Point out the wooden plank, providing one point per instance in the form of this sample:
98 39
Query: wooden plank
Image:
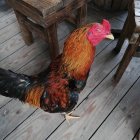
23 55
17 42
93 11
40 63
64 13
117 19
95 15
124 121
3 100
7 20
137 135
7 121
122 16
97 107
10 46
17 5
116 24
104 62
44 7
9 31
39 117
92 15
4 12
63 30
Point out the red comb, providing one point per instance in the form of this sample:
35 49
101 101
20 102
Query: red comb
106 24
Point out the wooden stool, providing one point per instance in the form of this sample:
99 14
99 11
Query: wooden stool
42 16
131 30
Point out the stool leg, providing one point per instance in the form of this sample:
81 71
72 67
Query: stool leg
81 15
122 37
51 33
26 34
126 59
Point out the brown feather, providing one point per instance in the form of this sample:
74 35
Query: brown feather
33 95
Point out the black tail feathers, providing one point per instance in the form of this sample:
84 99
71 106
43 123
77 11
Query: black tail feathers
13 84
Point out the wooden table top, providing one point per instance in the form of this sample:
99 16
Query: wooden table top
44 6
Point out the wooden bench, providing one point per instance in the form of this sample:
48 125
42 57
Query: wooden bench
42 16
131 30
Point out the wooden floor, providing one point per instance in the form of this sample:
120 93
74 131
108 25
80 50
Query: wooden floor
108 111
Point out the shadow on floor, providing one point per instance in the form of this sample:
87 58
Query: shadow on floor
4 6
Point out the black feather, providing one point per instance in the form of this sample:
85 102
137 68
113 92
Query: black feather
13 84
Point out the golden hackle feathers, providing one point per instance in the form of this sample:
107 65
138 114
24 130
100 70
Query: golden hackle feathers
33 95
77 51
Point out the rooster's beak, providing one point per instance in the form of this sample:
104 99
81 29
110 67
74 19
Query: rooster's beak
110 36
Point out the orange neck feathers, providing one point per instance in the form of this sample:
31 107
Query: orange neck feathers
78 54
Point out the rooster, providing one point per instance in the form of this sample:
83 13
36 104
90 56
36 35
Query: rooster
57 88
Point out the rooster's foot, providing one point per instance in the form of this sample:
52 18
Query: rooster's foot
68 117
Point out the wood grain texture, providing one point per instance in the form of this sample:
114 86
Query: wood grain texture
45 6
40 63
35 14
7 20
22 56
9 31
111 5
14 41
129 53
10 46
3 100
7 121
117 18
133 41
26 33
137 135
45 15
4 12
124 121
